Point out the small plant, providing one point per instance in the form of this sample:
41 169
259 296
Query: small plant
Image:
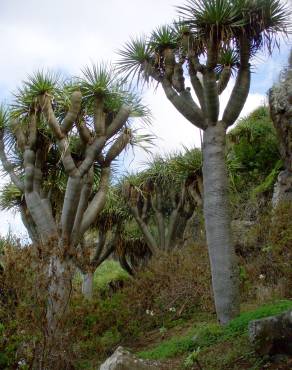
162 331
192 359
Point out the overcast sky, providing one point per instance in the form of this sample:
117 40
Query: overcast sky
66 35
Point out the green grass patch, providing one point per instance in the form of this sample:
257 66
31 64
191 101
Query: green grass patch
169 348
240 324
207 334
109 271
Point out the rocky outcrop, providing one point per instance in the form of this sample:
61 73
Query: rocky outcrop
283 188
272 335
280 99
122 359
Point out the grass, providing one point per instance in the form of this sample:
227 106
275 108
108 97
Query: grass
170 348
208 334
108 271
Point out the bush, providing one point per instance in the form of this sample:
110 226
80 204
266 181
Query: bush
268 268
171 289
253 161
174 286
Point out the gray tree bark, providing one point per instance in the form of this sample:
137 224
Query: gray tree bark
216 211
60 286
87 285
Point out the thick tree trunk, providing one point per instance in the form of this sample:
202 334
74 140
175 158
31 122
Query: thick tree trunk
216 211
60 284
87 285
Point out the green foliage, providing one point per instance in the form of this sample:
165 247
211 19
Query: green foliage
108 271
269 181
162 38
261 21
110 338
99 81
103 82
253 151
10 197
208 334
3 116
170 348
192 358
133 55
131 231
253 143
239 325
236 17
228 57
37 84
172 168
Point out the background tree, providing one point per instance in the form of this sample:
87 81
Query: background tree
102 240
163 198
280 99
215 40
91 114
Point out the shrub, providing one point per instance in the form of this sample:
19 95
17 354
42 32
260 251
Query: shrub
268 266
171 289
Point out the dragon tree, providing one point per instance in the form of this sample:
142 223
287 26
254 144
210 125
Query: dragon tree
103 240
212 44
163 198
58 141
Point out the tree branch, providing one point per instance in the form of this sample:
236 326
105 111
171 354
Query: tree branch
91 154
29 164
99 118
119 121
84 132
72 113
223 79
191 112
211 96
97 203
70 204
173 219
152 245
8 167
44 221
83 203
118 146
99 248
156 200
241 88
197 86
62 140
29 224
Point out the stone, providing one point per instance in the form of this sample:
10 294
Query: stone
243 240
283 188
272 335
122 359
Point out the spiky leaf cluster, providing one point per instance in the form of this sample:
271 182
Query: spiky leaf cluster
202 25
168 172
96 82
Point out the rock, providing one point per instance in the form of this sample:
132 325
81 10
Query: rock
122 359
272 335
242 238
282 188
194 231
